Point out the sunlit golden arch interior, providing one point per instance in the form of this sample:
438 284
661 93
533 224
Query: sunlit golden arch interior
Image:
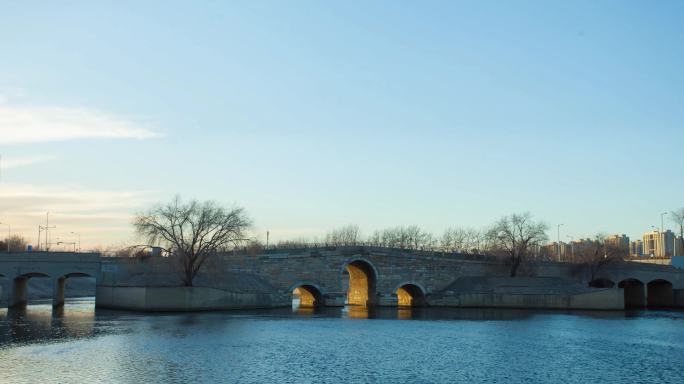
410 295
362 278
308 296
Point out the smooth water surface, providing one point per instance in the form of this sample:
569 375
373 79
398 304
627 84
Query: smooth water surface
80 344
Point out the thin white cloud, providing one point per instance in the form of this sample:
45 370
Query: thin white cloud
7 162
23 125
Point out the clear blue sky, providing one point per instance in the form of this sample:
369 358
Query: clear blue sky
319 114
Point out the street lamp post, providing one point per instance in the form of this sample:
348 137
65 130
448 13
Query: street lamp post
662 234
79 240
558 244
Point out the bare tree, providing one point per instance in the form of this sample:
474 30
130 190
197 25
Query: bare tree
192 231
475 241
17 243
596 254
347 235
678 218
375 239
411 237
452 240
254 247
515 237
463 240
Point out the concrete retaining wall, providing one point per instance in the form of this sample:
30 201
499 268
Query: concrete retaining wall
151 299
604 299
678 297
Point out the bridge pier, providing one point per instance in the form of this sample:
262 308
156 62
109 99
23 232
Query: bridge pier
58 292
14 292
17 294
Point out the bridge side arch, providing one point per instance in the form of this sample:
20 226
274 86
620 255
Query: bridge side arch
308 294
410 282
60 286
18 292
634 292
410 294
659 293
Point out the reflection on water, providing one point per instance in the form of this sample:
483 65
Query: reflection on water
41 322
339 345
359 312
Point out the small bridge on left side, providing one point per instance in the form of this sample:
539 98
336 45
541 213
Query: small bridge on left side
17 269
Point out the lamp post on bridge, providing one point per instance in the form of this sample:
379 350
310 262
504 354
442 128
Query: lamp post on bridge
79 239
662 234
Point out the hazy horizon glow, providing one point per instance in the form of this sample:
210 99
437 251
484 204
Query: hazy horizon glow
436 114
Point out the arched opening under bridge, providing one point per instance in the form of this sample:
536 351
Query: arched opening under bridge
660 294
410 295
19 292
306 296
81 285
635 295
361 283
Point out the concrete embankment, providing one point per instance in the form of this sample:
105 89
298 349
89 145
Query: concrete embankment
184 299
526 292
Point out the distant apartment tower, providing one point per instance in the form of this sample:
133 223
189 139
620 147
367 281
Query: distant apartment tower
679 246
636 248
659 244
620 242
551 251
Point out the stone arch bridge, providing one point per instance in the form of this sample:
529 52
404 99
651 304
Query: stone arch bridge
336 276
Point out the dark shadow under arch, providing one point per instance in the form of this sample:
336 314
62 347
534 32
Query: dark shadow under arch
75 274
635 296
659 294
602 282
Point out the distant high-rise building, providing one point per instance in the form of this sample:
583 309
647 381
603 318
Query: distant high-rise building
659 244
636 248
679 247
618 241
551 250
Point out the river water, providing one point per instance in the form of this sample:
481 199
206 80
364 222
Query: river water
80 344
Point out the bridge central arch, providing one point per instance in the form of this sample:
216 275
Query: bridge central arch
362 281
